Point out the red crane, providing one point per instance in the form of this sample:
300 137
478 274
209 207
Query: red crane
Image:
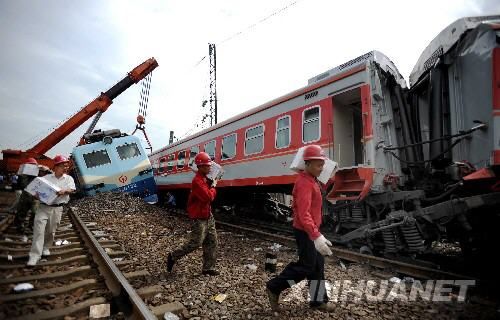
13 158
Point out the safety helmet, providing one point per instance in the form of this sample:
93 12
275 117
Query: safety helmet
60 159
31 161
43 168
202 159
314 152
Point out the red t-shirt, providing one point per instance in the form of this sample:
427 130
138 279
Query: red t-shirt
307 203
200 198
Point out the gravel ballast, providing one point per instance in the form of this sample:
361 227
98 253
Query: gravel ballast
148 233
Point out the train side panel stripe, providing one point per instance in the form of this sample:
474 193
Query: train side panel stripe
496 106
277 180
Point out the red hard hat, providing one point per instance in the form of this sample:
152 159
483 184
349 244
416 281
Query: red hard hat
60 159
31 161
202 159
314 152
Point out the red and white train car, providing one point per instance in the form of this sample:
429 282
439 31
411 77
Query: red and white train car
415 164
335 110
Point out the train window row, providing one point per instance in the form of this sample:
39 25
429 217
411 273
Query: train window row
283 132
229 147
254 140
100 157
311 125
127 151
96 158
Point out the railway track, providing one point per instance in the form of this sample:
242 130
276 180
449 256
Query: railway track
86 271
284 235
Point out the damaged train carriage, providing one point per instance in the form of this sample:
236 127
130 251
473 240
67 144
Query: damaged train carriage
436 151
415 164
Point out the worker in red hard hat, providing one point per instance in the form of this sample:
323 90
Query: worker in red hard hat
312 245
203 231
20 180
48 216
31 161
25 203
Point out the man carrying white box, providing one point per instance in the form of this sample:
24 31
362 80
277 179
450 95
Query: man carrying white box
48 214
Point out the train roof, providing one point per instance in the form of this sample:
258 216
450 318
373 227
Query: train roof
444 41
376 56
341 71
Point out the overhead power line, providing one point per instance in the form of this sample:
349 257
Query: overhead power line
275 13
212 100
253 25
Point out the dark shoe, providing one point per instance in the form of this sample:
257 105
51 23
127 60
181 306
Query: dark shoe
325 307
273 300
170 262
210 272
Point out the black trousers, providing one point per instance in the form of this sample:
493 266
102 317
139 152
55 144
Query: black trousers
310 266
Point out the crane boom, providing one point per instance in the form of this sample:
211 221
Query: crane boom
13 158
99 104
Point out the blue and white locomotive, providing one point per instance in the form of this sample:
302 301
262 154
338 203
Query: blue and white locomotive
112 161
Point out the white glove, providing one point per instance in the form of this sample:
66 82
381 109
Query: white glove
214 183
321 244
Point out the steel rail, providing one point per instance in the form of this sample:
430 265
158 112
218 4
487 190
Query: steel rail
6 221
126 298
417 271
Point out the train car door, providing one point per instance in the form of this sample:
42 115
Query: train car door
348 128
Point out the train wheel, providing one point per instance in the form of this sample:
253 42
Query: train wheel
366 250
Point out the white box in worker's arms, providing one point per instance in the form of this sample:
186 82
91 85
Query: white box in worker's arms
216 171
47 191
298 163
329 168
28 169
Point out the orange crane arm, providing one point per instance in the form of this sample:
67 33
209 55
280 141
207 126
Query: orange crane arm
99 104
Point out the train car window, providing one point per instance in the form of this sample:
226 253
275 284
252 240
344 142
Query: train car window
128 150
210 149
170 163
181 159
283 132
194 151
310 124
254 140
228 147
161 167
96 158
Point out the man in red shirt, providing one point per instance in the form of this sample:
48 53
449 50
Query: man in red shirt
203 231
311 244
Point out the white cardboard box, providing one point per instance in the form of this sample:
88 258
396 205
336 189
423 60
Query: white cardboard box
216 171
298 162
329 168
328 171
47 192
28 169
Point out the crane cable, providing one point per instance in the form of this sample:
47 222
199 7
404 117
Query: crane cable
143 106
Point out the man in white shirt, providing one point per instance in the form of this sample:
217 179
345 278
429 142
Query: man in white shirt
47 217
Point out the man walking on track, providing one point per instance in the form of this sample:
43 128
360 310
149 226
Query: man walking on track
26 201
203 223
47 217
311 244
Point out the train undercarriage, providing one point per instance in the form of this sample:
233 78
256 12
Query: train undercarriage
397 223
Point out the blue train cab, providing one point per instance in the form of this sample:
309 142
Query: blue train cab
112 161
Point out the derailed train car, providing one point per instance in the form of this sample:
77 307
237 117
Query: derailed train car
113 161
416 164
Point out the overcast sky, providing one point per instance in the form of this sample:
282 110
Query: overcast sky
56 56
